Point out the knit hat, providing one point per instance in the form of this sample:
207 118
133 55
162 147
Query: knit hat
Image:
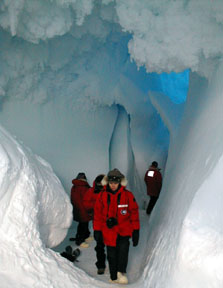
81 175
98 179
155 164
115 176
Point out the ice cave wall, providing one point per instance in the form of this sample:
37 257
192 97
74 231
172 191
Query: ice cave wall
186 228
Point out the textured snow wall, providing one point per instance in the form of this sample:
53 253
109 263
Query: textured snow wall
35 214
30 194
185 237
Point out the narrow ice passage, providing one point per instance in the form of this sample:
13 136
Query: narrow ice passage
120 156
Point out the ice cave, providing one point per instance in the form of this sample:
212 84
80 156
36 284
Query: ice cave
90 85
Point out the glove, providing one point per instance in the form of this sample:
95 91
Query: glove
135 238
98 236
90 212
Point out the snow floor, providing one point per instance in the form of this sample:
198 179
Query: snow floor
87 258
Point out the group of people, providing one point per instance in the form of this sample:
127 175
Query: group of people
115 215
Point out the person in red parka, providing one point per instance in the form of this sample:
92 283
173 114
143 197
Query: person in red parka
116 220
89 203
153 180
78 190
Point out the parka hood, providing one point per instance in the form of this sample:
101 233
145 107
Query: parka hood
123 182
78 182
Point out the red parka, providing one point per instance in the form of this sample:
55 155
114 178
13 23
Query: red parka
89 200
122 206
153 179
78 191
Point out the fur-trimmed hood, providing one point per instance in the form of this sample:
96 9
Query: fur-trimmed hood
80 182
123 182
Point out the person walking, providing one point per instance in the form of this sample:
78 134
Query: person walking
153 180
89 203
78 190
116 220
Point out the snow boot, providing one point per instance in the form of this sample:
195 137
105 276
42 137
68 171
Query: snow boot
84 245
101 271
114 281
72 239
89 239
122 279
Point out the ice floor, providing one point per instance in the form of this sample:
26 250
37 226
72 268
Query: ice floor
87 258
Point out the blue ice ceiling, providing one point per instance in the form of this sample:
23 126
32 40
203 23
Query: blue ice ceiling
174 85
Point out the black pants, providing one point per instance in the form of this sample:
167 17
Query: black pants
100 254
82 232
151 204
118 256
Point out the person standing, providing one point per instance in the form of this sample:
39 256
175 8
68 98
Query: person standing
116 220
89 203
153 180
78 190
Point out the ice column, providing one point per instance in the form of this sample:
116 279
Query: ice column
121 155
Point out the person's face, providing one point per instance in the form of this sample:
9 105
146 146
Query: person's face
113 185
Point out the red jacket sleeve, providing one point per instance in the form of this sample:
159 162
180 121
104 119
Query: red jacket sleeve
88 200
134 210
75 196
159 180
98 207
